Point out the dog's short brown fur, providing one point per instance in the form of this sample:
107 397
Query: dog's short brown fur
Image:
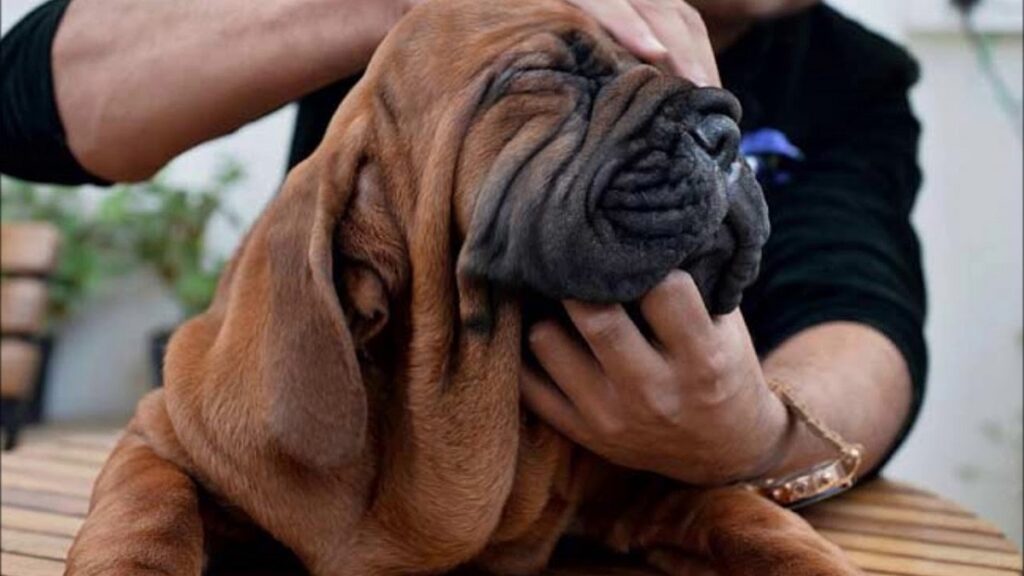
354 396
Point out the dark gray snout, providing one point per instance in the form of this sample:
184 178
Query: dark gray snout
603 211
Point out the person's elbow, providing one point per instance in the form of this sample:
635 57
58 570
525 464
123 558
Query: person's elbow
101 122
104 139
115 156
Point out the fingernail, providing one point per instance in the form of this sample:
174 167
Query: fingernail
702 80
678 275
652 45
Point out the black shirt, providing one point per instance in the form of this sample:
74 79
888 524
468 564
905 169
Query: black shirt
842 246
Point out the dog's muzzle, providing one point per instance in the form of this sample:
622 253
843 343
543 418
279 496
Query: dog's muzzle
648 190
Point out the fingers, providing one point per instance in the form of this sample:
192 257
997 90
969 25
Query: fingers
571 365
620 347
676 313
682 30
544 399
625 24
667 33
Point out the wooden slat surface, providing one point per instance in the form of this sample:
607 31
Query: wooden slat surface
28 247
19 362
887 528
22 306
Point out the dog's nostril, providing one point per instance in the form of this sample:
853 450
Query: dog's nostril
712 101
719 137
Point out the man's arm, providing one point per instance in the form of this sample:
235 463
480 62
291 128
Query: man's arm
851 377
138 83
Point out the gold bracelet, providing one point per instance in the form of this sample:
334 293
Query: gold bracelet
822 481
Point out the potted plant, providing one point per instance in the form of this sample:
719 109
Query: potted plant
165 225
156 225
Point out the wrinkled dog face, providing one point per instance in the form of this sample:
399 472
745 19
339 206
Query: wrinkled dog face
583 173
618 174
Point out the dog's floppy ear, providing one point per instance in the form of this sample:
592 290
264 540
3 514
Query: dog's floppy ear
316 405
313 394
272 365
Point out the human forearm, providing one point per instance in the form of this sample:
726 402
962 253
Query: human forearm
853 379
138 83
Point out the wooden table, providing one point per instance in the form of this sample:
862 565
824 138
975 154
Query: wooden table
888 528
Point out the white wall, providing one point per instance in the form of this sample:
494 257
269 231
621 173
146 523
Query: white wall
969 217
970 221
968 441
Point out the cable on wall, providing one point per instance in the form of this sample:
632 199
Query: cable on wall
1005 98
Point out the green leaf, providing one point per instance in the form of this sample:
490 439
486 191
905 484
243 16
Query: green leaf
155 224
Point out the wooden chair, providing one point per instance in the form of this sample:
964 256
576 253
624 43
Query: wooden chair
28 255
887 528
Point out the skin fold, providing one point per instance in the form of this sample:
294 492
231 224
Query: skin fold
353 391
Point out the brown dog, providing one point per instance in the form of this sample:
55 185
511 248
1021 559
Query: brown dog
352 392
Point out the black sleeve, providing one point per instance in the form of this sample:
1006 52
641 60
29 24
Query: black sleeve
842 245
34 147
315 112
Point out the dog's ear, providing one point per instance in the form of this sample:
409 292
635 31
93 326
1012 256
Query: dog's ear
273 364
317 305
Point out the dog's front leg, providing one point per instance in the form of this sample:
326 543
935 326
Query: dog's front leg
143 518
738 533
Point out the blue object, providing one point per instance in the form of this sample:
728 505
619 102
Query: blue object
767 151
769 142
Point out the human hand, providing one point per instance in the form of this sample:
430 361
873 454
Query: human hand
739 10
667 33
693 405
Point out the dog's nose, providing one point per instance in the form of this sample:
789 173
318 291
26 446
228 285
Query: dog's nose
716 130
719 136
715 101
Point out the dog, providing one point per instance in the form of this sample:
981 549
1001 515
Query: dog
352 391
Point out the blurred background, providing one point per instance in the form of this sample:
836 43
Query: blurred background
122 292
